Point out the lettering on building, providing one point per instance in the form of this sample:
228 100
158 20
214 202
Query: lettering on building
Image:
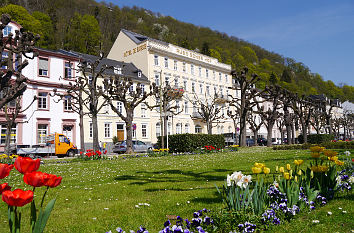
193 55
135 50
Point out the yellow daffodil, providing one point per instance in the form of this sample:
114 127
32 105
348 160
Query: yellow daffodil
266 170
317 149
315 155
287 175
298 162
299 172
295 178
288 167
291 173
319 168
260 165
333 158
256 170
276 168
281 169
330 153
340 163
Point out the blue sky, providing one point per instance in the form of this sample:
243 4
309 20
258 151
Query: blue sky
319 33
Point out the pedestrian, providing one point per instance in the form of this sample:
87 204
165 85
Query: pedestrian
100 145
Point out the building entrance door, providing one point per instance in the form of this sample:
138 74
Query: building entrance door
120 132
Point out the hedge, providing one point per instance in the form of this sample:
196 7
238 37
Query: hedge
191 142
327 145
316 138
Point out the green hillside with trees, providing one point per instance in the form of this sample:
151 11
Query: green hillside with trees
86 26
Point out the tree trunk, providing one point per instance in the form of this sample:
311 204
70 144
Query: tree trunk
269 134
129 129
242 136
95 142
8 139
288 134
282 136
209 127
81 124
304 131
255 135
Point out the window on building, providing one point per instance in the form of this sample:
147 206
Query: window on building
207 90
207 73
185 85
42 133
214 75
230 129
178 128
107 130
169 128
167 80
175 65
134 132
144 130
186 128
69 70
157 104
43 66
192 69
176 82
200 71
90 79
220 78
4 57
156 60
215 91
222 129
42 100
106 108
142 86
185 106
194 108
131 88
91 130
198 129
158 129
226 78
184 67
193 87
143 110
3 130
157 79
120 107
67 103
177 106
166 62
117 70
7 30
201 88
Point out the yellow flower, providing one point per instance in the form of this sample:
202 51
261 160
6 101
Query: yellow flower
316 149
330 153
295 178
319 168
266 170
288 167
260 165
299 172
276 168
256 170
315 155
298 162
340 163
287 175
281 169
291 173
334 158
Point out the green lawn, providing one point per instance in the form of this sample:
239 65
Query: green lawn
98 196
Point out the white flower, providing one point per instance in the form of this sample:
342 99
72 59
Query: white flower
351 179
315 221
246 180
344 211
347 153
235 177
329 213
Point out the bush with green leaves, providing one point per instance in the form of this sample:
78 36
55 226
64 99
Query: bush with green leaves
191 142
316 138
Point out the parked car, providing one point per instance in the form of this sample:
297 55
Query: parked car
262 141
250 142
138 146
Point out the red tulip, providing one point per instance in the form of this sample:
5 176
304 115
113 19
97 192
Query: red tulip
5 170
26 164
53 181
18 197
4 187
36 179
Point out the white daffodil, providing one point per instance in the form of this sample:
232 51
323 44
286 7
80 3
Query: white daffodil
246 180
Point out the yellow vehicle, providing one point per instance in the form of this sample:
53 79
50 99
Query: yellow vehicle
56 144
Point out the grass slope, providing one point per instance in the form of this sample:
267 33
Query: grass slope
98 196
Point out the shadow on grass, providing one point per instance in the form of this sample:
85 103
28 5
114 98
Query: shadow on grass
176 189
172 176
207 200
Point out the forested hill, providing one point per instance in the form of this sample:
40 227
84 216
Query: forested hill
82 25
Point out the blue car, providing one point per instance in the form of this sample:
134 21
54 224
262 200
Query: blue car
138 146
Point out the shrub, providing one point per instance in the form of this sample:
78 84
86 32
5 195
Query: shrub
316 138
191 142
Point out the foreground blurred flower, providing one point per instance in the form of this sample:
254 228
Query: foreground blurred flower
53 181
319 168
4 187
246 180
26 164
288 167
287 175
256 170
333 158
18 197
316 149
266 170
340 163
315 155
330 153
36 179
5 170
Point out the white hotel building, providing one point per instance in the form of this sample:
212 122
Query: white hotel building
164 63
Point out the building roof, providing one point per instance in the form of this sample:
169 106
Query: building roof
138 38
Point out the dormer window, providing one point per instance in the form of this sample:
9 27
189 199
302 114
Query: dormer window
117 70
7 30
139 74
